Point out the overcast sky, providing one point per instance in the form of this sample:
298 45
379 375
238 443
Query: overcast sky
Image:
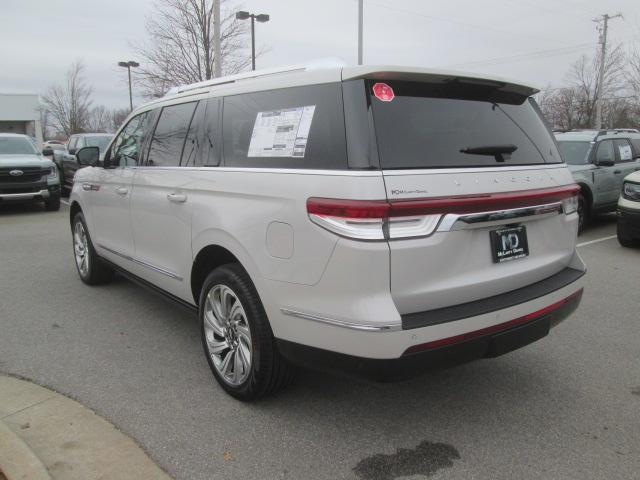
530 40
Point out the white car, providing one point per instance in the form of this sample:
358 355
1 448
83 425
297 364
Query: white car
378 221
629 211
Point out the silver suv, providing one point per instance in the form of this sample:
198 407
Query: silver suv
599 161
378 221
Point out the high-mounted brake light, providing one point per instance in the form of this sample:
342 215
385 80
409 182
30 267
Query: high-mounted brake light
383 92
382 219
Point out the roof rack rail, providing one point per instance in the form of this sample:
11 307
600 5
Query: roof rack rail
313 65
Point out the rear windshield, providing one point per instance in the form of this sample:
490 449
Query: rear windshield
16 146
459 125
574 153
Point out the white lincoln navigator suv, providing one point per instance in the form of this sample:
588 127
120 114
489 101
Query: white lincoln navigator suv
378 221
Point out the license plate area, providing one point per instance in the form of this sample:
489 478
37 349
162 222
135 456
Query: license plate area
509 243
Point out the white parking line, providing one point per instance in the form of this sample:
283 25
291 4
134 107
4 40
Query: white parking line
65 202
598 240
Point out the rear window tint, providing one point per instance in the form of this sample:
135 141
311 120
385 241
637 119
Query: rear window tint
431 125
299 127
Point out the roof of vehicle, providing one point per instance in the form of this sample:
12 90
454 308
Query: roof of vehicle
325 72
13 135
84 134
592 135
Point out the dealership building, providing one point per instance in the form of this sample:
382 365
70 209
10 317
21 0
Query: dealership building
19 113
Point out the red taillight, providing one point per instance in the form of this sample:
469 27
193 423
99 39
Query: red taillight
495 328
365 219
348 208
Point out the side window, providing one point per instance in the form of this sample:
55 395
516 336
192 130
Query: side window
79 143
623 147
298 127
125 150
211 139
192 148
72 143
636 146
605 151
170 134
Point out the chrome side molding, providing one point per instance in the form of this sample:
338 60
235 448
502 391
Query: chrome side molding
144 264
391 327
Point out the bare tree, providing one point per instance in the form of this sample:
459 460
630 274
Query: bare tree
574 106
69 103
180 45
99 119
117 118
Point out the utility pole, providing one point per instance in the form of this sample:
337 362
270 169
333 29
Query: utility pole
603 52
217 62
360 22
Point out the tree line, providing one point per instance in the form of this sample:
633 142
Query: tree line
574 105
178 50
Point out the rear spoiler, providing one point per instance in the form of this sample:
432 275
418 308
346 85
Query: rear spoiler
434 76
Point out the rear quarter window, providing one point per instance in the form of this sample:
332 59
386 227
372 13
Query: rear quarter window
429 125
275 124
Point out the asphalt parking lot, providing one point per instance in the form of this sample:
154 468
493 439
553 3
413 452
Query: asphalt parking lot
566 407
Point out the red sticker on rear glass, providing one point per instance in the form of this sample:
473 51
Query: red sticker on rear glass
383 92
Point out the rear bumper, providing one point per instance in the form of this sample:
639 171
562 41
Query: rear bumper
486 342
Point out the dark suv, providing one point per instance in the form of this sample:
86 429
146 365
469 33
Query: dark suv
26 175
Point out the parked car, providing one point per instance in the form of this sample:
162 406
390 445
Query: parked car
629 211
25 175
377 221
49 147
598 162
67 161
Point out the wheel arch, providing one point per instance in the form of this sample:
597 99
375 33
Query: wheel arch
588 195
74 209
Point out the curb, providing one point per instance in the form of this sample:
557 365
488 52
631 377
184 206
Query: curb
17 461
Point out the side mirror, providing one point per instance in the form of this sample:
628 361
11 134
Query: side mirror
605 162
88 156
47 151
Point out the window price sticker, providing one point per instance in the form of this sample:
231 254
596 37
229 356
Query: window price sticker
281 133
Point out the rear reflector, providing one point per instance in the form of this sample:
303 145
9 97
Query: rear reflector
368 219
495 328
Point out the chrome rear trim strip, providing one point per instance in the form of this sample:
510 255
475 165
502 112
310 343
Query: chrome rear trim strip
392 327
454 221
144 264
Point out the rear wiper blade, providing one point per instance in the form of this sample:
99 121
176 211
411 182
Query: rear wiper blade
497 151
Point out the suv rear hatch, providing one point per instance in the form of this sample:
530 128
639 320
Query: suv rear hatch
480 201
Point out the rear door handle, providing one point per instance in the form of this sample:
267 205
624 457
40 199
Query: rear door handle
618 172
122 190
177 197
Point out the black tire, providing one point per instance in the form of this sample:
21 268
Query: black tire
64 191
624 238
97 272
583 213
268 371
53 203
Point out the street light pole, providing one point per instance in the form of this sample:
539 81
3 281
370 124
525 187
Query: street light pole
128 66
262 18
360 28
253 42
